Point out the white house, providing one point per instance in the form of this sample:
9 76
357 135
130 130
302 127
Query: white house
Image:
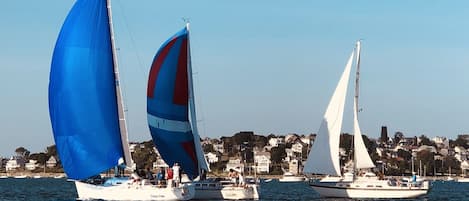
262 159
308 139
234 163
297 147
211 157
160 163
52 162
289 156
219 147
427 148
31 165
13 164
441 141
294 166
275 141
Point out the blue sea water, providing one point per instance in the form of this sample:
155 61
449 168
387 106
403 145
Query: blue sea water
46 189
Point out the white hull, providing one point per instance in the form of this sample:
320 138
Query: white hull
291 179
463 180
213 190
368 190
129 191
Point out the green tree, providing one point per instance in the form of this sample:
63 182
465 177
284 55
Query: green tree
460 141
277 154
370 145
404 154
427 159
144 155
22 152
425 141
346 142
398 136
208 148
41 157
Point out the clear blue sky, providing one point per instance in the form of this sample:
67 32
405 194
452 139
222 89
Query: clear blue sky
266 66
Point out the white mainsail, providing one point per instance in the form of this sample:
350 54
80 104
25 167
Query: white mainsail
362 158
324 155
202 161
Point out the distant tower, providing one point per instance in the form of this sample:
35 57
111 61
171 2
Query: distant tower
384 134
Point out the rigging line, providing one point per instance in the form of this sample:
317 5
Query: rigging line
132 42
200 101
196 82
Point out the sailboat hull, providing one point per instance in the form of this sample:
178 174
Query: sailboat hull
378 189
221 192
133 191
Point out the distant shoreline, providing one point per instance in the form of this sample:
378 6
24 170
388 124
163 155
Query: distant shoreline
30 174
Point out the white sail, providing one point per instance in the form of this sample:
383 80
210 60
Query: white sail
324 155
362 158
202 161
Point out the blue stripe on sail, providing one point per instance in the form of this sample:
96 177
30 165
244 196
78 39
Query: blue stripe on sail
170 147
82 93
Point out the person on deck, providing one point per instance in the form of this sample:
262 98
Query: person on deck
169 177
150 176
176 174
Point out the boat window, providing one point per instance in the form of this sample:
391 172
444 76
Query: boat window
197 184
348 185
369 186
212 185
379 186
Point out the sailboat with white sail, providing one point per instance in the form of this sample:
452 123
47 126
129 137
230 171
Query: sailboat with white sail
86 108
172 119
324 155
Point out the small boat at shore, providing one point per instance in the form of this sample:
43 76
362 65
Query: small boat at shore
290 177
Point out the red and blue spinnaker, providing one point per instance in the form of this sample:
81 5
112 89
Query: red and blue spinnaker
168 104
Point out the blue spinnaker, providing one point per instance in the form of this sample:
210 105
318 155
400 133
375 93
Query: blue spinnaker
167 104
82 93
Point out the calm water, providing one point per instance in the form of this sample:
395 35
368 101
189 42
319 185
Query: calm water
60 189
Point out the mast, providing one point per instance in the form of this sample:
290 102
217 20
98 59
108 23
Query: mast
202 162
355 102
120 103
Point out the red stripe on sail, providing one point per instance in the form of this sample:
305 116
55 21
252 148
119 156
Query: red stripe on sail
190 150
156 66
181 86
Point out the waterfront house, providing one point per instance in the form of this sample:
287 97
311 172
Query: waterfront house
14 164
212 157
234 163
262 159
275 141
52 162
297 147
31 165
219 147
160 163
289 155
294 167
